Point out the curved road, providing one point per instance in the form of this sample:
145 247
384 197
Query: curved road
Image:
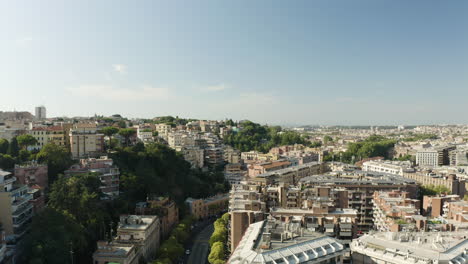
201 246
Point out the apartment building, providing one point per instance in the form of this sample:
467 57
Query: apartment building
247 157
289 175
32 173
410 248
194 155
40 112
211 206
255 169
457 211
214 157
163 130
360 187
394 211
140 231
109 252
15 206
385 166
104 167
434 157
433 206
85 141
452 182
272 241
165 208
231 155
234 173
246 206
51 134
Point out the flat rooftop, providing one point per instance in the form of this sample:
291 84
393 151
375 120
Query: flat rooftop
424 247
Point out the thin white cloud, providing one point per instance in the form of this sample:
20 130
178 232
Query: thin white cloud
110 93
25 41
120 68
215 88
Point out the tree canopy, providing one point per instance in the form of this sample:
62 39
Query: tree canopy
26 140
57 157
254 136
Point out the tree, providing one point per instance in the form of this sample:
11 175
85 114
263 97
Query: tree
127 133
26 140
110 132
4 146
327 139
79 196
13 148
7 161
57 157
52 233
217 253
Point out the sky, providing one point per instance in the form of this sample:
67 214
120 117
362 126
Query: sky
360 62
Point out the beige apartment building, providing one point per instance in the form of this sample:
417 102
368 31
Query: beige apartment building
203 208
52 134
109 252
142 231
16 209
85 141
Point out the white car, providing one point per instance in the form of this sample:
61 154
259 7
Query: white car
187 252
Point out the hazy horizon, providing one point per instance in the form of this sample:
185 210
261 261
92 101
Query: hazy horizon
273 62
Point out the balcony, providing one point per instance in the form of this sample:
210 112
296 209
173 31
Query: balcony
20 201
19 222
19 211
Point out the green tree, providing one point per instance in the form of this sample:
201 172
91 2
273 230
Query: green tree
217 253
110 132
57 157
7 162
122 124
13 148
26 140
4 146
127 133
327 139
51 236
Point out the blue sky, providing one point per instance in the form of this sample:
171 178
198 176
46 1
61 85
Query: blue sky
276 62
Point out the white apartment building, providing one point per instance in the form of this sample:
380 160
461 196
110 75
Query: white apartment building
392 167
428 157
268 242
411 248
163 130
175 140
144 136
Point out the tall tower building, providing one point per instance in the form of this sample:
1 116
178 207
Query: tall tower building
40 112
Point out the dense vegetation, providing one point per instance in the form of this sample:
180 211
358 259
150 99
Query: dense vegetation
173 248
254 136
373 146
434 190
76 217
218 240
157 169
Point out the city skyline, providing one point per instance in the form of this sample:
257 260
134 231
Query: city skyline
320 62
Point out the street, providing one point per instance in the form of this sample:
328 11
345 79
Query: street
201 246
